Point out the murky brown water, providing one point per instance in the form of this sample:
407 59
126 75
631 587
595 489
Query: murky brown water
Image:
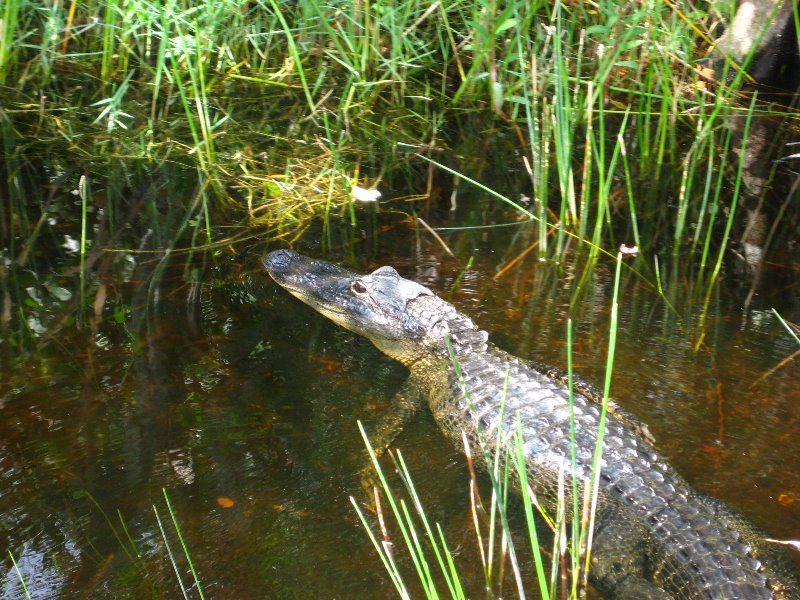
244 410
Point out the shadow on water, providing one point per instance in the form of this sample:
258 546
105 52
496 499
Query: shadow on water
242 403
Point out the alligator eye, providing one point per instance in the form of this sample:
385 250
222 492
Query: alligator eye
358 287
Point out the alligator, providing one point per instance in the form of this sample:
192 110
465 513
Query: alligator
654 536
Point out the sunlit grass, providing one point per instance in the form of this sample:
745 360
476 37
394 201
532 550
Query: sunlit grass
331 75
193 121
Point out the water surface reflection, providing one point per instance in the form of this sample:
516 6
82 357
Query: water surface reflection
244 409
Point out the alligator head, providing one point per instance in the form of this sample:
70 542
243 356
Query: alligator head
402 318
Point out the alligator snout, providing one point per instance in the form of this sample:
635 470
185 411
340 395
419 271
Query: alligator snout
279 260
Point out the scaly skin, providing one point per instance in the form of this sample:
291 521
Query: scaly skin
654 536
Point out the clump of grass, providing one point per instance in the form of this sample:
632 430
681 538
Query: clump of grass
206 86
262 115
411 538
143 571
430 554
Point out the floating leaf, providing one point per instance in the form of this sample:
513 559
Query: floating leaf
225 502
58 292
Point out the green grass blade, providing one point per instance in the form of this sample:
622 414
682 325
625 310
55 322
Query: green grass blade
598 450
183 544
786 325
295 53
384 554
399 517
19 574
170 553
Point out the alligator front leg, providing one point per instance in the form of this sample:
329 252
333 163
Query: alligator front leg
404 405
619 566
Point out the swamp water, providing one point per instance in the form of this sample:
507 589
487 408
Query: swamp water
243 406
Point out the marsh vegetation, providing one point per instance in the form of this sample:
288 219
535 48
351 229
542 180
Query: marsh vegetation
152 151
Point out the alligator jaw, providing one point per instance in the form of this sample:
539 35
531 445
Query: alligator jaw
321 285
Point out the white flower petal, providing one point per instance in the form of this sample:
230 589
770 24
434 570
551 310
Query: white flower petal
364 195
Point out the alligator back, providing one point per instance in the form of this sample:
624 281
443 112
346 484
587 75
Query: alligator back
650 525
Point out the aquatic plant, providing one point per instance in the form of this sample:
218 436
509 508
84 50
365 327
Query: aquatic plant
278 109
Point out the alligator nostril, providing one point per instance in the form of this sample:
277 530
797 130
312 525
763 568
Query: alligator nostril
279 260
